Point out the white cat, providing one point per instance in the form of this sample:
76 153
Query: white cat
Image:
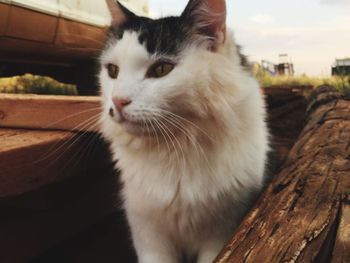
186 122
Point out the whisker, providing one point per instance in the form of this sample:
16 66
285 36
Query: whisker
180 146
70 116
174 147
187 121
161 131
85 124
75 141
155 134
196 145
177 123
91 139
187 133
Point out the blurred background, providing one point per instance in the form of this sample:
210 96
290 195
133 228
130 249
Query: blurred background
314 33
307 42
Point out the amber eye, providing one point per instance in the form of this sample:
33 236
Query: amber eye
113 71
160 69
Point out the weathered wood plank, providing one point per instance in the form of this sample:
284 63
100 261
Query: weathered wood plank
31 159
277 90
70 113
341 253
296 217
74 113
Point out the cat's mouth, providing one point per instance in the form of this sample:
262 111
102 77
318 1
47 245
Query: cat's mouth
133 126
145 128
150 125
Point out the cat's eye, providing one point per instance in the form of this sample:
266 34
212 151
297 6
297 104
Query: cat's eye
160 69
113 71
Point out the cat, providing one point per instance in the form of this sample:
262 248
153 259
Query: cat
186 123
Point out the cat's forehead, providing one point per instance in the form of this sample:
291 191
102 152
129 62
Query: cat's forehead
127 50
165 36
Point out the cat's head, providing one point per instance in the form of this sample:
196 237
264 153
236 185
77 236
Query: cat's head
158 74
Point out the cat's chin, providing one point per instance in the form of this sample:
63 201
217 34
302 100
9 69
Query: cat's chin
134 128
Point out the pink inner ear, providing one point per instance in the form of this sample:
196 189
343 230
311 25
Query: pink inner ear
217 6
219 26
118 16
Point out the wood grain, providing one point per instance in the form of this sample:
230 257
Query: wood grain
31 159
35 34
303 212
75 113
25 24
4 13
341 253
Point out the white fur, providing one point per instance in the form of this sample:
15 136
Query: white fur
186 195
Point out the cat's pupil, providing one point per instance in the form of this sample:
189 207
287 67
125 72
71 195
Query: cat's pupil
160 69
113 71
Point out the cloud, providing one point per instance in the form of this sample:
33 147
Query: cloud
262 19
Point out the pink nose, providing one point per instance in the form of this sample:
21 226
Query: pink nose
120 103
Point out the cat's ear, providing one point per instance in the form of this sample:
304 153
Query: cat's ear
209 17
120 14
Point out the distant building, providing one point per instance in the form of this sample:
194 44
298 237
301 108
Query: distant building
284 67
341 67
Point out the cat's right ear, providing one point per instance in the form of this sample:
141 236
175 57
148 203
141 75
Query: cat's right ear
120 14
208 17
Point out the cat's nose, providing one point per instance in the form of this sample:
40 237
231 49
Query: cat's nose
120 103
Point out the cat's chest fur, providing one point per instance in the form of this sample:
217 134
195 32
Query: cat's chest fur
188 192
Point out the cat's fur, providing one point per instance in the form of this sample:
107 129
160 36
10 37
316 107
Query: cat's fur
186 183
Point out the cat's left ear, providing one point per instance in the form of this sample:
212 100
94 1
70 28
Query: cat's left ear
120 14
209 17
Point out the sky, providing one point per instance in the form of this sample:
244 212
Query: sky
312 32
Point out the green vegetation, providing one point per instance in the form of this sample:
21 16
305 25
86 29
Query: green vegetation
342 83
36 85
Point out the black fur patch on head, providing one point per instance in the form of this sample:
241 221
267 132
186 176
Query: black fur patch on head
164 36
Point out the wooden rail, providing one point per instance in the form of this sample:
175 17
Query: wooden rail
75 113
69 113
31 159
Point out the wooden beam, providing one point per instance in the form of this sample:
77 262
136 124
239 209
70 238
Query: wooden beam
70 113
74 113
297 218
